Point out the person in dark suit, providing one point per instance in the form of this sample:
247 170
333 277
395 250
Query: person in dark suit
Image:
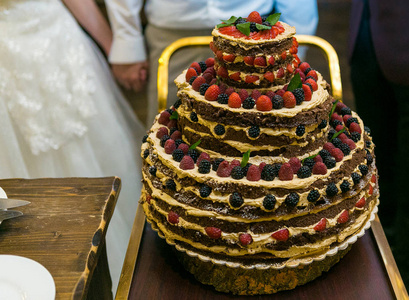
379 59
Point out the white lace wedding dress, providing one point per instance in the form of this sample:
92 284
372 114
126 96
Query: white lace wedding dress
61 114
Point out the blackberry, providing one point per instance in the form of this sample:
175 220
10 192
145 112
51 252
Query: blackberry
292 199
324 153
350 121
146 153
145 138
369 159
248 103
223 99
336 142
170 111
219 129
203 66
246 168
300 130
254 131
194 154
152 170
345 186
363 169
171 185
192 79
330 162
263 19
367 130
205 191
278 102
368 144
253 27
163 140
236 200
269 202
216 163
193 117
331 190
345 149
240 20
268 173
304 172
299 95
310 86
313 196
309 162
178 142
203 88
276 169
172 130
331 133
177 104
334 123
237 173
307 71
204 166
355 136
323 124
355 177
177 155
345 111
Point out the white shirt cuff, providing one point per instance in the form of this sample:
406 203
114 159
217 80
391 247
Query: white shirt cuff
127 51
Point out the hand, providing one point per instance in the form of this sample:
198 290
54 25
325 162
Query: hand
131 76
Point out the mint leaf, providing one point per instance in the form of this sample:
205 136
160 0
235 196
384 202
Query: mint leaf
245 159
273 19
223 25
337 134
334 105
228 22
195 145
174 116
295 83
244 28
262 27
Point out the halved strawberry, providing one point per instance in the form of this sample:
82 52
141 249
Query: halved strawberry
321 225
248 60
281 235
229 57
251 78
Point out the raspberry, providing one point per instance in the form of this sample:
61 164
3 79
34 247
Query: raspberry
245 239
248 60
203 88
304 66
280 73
354 127
363 169
213 232
243 94
194 154
161 132
212 93
235 76
339 106
304 172
268 173
264 103
281 235
261 166
270 94
302 75
355 177
255 94
331 189
345 186
289 100
202 156
337 154
313 74
229 91
330 162
170 146
313 196
286 172
269 202
269 76
145 153
343 217
219 129
299 95
209 62
176 135
260 61
321 225
204 166
172 123
191 72
271 60
254 131
209 78
198 82
163 140
253 173
222 72
197 67
237 172
184 148
295 164
314 85
249 103
236 200
164 117
177 155
280 92
277 101
318 158
187 163
251 78
329 146
152 170
173 217
234 163
205 191
319 168
224 169
171 185
229 57
300 130
234 100
254 17
360 203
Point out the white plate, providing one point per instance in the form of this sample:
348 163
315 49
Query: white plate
2 195
24 279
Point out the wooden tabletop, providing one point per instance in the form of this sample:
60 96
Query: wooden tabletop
63 229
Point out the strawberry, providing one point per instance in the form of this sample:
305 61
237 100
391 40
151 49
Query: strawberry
373 178
270 94
212 93
219 55
264 103
235 76
304 66
295 42
213 232
248 60
245 239
212 46
170 146
173 217
198 82
321 225
209 62
208 77
319 168
280 73
343 217
202 156
337 154
313 74
269 76
187 163
281 235
254 17
360 203
295 164
224 169
190 73
286 172
251 78
222 72
176 135
243 94
197 67
229 91
164 117
260 61
161 132
255 94
329 146
290 68
148 198
302 75
184 148
283 55
289 100
370 192
354 127
234 100
229 57
313 84
293 50
253 173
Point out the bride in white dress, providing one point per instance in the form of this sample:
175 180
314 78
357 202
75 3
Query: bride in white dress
61 113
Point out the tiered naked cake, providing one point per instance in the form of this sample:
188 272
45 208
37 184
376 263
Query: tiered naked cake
256 174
